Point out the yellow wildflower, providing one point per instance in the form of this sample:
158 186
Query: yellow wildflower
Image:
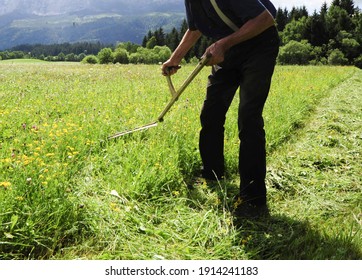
5 184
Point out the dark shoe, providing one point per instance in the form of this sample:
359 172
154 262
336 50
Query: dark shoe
254 193
211 175
246 210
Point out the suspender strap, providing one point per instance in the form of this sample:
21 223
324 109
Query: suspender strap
224 18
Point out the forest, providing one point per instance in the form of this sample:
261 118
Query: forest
330 36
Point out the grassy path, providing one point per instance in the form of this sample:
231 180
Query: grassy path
315 184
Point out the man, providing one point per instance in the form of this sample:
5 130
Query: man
241 58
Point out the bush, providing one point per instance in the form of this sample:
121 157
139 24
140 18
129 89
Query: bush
61 57
163 53
336 57
90 59
105 56
358 62
295 53
81 56
150 56
70 57
121 56
136 58
350 47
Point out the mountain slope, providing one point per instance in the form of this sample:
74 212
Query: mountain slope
45 22
57 7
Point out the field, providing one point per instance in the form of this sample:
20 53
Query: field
68 193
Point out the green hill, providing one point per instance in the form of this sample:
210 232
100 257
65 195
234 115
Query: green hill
106 28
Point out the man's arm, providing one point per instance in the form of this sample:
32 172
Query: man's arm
249 30
187 42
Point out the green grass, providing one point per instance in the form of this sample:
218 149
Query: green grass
67 193
22 61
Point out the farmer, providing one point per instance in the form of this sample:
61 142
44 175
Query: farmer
242 57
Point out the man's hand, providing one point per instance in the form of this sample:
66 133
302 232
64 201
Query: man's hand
216 52
169 68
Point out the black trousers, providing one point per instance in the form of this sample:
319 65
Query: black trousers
248 66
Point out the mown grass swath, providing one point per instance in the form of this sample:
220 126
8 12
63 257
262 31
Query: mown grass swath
65 192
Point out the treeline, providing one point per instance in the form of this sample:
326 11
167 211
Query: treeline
54 52
332 36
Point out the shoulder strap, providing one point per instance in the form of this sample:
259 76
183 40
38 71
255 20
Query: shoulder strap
224 18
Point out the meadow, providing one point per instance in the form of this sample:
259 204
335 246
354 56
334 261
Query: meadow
68 193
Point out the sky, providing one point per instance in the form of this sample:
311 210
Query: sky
311 5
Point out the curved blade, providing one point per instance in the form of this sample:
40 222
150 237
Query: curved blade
119 134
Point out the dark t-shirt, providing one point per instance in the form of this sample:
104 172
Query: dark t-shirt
202 16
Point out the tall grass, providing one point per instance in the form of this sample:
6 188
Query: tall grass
66 192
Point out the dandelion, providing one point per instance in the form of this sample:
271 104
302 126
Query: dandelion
114 207
176 193
5 184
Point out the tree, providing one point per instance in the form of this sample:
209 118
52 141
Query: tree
317 33
296 30
61 57
105 56
337 19
295 53
297 13
358 62
81 56
160 37
121 56
151 43
337 57
70 57
163 53
350 47
128 46
336 3
348 6
358 29
173 39
324 9
281 18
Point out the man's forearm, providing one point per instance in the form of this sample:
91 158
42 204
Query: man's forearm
249 30
187 42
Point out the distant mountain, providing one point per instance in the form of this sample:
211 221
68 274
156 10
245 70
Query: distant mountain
107 21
